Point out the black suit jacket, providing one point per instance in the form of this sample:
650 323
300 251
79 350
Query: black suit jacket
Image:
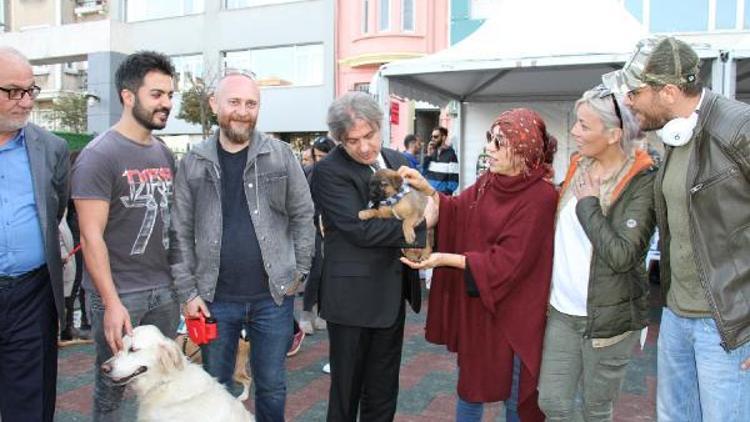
363 282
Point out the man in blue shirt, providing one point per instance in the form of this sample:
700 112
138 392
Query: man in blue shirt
413 145
33 195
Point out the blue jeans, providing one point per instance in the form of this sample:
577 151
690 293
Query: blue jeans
697 379
157 307
269 328
471 412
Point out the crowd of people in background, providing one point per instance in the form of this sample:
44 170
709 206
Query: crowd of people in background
538 288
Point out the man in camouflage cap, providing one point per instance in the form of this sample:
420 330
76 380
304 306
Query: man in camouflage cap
702 196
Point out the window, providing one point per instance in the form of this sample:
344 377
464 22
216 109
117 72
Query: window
2 15
188 69
362 87
385 15
141 10
635 7
407 15
481 9
693 16
89 3
300 65
236 4
747 15
365 16
726 14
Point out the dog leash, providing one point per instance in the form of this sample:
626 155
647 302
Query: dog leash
184 348
71 253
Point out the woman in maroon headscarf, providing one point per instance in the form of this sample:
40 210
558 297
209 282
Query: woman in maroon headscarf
489 296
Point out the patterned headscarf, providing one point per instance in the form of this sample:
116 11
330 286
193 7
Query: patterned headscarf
527 137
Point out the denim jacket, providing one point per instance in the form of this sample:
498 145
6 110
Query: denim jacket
280 205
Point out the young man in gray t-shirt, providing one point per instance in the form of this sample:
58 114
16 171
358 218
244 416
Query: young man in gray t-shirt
122 187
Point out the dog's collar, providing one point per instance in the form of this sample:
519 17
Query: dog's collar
390 201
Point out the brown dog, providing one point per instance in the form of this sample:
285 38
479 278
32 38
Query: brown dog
193 354
385 187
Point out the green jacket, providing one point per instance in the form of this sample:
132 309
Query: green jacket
618 283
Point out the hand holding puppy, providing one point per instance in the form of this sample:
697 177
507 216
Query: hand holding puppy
415 180
437 259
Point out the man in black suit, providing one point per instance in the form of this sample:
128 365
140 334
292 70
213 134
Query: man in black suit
364 284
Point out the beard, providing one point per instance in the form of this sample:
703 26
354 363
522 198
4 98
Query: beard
12 125
146 118
651 122
237 135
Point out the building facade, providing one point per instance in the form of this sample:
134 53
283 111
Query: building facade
467 16
287 44
370 33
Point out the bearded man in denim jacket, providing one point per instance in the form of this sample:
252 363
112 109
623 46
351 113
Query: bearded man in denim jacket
243 240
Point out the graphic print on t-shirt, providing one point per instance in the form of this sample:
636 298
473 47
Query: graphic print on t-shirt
144 186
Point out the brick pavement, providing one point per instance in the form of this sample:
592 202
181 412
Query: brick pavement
427 392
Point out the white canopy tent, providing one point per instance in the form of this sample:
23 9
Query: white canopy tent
541 54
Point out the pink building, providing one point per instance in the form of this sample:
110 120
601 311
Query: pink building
370 33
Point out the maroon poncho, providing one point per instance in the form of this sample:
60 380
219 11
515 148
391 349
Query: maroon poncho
504 226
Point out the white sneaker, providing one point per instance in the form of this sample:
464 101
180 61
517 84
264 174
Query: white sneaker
327 368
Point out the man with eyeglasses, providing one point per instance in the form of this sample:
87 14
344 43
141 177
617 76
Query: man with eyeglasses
33 197
702 197
441 166
244 240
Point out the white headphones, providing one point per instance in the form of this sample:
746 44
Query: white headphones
677 132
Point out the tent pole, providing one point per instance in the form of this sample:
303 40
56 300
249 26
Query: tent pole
723 73
461 146
384 99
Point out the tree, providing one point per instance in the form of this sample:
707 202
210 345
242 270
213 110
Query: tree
194 107
69 111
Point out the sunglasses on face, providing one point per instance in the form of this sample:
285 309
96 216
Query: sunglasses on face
497 139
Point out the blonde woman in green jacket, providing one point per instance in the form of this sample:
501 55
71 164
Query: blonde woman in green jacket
598 302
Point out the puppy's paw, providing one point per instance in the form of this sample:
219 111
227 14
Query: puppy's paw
365 214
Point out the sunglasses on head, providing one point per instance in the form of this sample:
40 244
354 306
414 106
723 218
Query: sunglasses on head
603 91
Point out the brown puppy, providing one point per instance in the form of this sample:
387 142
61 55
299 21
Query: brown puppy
385 186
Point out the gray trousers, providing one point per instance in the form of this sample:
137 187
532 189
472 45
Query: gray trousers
568 359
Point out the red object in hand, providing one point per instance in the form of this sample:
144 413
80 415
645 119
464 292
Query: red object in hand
202 329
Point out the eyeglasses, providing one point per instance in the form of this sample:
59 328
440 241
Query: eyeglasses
634 93
18 93
434 136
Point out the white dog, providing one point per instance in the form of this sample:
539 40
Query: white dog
169 388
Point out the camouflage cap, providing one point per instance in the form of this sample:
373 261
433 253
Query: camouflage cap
656 61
